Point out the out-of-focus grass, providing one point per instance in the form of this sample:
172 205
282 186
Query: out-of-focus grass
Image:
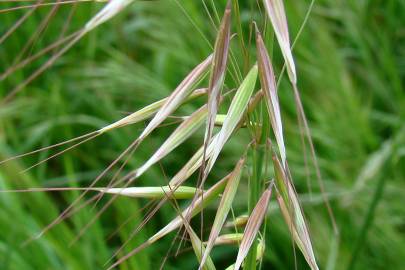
350 60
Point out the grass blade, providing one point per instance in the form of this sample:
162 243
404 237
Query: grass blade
133 118
110 10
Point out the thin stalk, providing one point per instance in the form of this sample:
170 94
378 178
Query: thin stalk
368 222
240 37
256 186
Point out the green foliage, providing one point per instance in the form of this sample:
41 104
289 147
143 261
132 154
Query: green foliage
350 72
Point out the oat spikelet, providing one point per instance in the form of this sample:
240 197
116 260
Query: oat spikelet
218 70
269 87
253 226
276 13
292 213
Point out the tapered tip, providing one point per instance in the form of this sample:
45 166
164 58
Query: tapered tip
257 31
228 5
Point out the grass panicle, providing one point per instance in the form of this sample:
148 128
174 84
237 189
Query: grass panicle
276 13
247 116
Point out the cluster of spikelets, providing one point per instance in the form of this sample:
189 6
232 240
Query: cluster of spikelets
244 102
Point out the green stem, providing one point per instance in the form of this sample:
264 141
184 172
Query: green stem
240 37
256 188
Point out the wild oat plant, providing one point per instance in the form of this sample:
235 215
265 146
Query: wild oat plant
239 90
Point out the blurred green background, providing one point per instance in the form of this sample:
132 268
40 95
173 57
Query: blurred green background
351 70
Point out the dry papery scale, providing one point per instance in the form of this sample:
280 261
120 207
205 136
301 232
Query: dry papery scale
258 86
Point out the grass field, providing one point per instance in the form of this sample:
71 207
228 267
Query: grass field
350 60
